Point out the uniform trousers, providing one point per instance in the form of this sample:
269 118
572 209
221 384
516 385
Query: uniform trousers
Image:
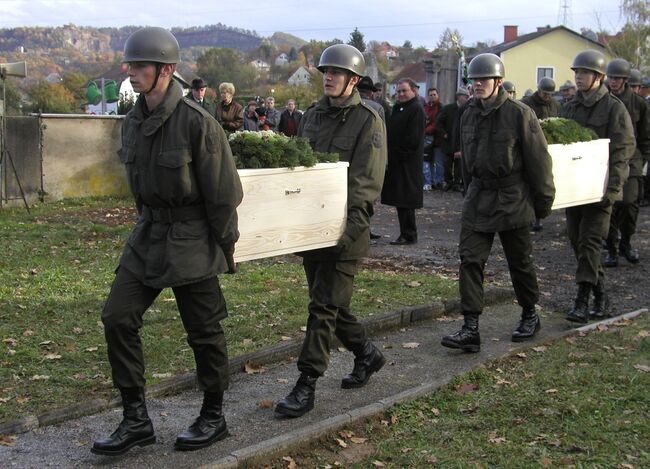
201 306
475 247
626 212
587 225
330 292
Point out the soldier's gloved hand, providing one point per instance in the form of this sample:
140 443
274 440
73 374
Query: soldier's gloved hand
607 200
229 252
541 214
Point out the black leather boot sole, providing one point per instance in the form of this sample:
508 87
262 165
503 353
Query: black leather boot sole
518 336
579 318
149 440
450 343
282 411
191 446
373 368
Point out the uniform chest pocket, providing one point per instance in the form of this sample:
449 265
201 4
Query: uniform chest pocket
343 145
505 150
174 172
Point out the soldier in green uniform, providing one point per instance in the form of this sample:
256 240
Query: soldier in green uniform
587 225
626 211
340 122
508 179
542 102
186 189
510 88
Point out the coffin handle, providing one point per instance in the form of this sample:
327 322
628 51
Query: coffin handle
292 191
576 158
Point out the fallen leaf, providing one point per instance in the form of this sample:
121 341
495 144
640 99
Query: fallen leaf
162 375
435 411
346 434
303 328
265 404
493 438
283 381
247 341
406 450
28 333
431 459
378 464
91 349
341 349
411 345
291 463
466 388
11 342
253 368
644 368
80 443
546 462
164 414
522 355
566 460
52 356
601 327
551 391
341 443
414 284
571 340
358 440
540 349
445 319
8 440
284 338
22 399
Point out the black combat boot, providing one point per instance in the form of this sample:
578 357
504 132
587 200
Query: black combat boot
134 430
600 309
630 254
209 426
300 400
366 362
580 311
467 338
528 325
611 260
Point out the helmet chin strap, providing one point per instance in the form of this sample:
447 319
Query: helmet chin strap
159 67
345 87
494 89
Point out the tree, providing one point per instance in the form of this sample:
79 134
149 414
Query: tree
450 39
218 65
356 40
293 54
12 95
52 98
76 83
633 41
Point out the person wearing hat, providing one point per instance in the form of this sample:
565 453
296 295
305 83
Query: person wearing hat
447 121
625 212
186 188
587 225
251 117
380 97
541 101
568 89
340 122
507 172
644 90
367 89
197 93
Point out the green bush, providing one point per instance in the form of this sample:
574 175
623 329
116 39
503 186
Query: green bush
266 149
564 131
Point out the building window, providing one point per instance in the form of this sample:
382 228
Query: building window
545 72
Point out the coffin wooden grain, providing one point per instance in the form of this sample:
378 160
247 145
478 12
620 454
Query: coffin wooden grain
580 172
290 210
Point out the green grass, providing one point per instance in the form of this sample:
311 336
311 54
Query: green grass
56 268
579 402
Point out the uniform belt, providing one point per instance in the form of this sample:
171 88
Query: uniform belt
173 214
498 183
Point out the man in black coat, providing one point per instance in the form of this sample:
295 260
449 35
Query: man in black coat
446 124
404 179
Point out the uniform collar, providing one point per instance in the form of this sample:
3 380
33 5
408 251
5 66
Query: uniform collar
593 98
501 98
156 118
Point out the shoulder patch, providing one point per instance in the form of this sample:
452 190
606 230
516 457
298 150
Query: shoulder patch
534 125
378 139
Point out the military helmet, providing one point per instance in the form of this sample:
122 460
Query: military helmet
619 68
486 66
590 60
462 91
567 85
547 85
343 56
509 86
152 44
645 82
635 77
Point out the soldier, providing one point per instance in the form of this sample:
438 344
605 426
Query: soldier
635 80
340 122
594 107
186 189
197 93
542 102
568 89
626 211
508 182
510 89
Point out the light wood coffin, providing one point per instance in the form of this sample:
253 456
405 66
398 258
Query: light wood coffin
290 210
580 172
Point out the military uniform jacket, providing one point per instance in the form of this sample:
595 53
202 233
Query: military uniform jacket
178 164
541 108
639 111
607 116
507 169
357 133
404 178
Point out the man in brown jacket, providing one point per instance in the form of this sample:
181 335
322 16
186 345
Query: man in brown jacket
186 189
587 225
508 178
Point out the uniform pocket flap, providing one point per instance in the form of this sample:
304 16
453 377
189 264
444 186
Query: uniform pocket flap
343 142
174 158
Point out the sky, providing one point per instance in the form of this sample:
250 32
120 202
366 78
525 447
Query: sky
419 21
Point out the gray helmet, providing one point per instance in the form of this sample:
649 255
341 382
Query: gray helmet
343 56
509 86
528 92
152 44
486 66
619 68
567 85
635 77
546 85
462 91
590 60
645 82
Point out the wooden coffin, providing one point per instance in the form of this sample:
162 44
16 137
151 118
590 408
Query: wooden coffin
580 172
290 210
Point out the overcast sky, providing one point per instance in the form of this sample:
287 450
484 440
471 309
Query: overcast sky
420 21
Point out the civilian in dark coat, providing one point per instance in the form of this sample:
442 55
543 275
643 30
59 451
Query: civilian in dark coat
447 120
403 182
289 119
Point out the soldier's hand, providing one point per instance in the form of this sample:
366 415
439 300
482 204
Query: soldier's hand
229 252
607 200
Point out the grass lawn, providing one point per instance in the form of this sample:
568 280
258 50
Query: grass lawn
56 267
582 402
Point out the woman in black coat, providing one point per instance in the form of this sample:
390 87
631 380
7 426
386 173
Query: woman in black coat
403 181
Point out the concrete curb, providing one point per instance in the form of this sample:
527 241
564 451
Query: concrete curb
283 351
264 449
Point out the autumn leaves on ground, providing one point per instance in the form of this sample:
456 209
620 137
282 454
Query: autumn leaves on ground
56 267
